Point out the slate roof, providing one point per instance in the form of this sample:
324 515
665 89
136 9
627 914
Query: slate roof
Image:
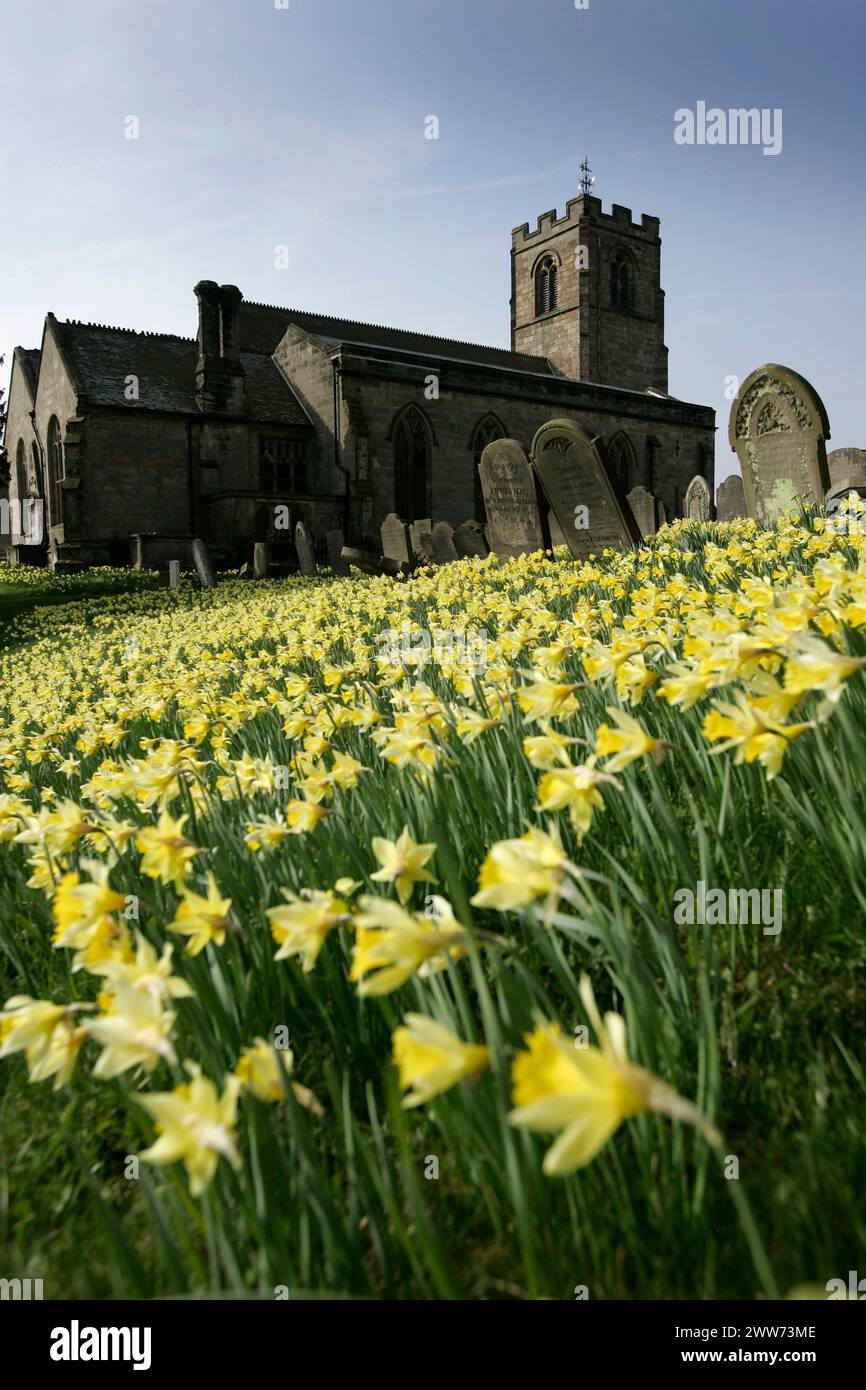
101 358
263 325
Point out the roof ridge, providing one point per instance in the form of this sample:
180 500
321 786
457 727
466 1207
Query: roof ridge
116 328
387 328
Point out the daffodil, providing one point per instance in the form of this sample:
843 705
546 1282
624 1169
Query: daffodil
576 788
166 853
300 928
515 872
402 863
747 728
430 1059
627 742
391 944
202 919
195 1125
135 1033
258 1069
583 1094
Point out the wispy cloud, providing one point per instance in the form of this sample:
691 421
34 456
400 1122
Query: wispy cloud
433 190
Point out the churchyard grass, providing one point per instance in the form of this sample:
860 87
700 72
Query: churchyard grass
174 764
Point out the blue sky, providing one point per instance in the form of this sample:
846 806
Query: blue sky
305 127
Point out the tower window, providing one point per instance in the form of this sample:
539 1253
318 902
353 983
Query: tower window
546 286
411 464
621 286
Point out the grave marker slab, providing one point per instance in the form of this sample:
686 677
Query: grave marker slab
203 567
368 563
334 541
396 540
304 547
778 428
847 469
510 500
586 499
643 506
469 540
173 573
260 559
698 503
731 499
444 550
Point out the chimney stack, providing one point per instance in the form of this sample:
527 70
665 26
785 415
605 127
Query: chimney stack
219 370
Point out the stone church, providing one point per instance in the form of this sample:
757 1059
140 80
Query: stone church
138 442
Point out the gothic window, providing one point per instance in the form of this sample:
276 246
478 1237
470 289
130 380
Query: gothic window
21 488
283 465
621 281
622 461
486 431
411 464
55 470
546 286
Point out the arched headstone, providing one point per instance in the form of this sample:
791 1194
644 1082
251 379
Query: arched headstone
698 503
778 428
591 509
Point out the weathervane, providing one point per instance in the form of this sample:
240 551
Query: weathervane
587 178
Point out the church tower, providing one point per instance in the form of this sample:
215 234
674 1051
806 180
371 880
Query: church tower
586 293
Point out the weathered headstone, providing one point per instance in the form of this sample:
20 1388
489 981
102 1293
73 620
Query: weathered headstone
510 501
334 542
643 506
203 567
731 499
778 428
260 559
698 503
557 535
418 529
444 550
304 547
663 513
173 573
589 505
396 541
368 563
245 571
469 540
422 542
847 468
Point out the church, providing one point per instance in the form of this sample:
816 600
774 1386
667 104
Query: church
138 442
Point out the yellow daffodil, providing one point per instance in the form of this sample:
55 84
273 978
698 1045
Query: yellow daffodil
300 928
402 863
392 944
195 1125
258 1069
135 1033
166 853
203 920
430 1059
515 872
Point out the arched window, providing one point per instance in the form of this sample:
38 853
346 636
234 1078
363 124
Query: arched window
21 489
485 432
55 470
411 464
622 461
35 471
621 281
546 286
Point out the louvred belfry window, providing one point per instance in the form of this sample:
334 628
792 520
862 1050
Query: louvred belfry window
546 286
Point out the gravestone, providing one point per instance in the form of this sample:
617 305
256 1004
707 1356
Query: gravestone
368 563
510 500
396 541
304 547
469 540
444 550
778 428
334 542
586 498
555 531
417 529
730 499
203 567
245 571
847 468
643 506
698 503
663 513
260 559
173 573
